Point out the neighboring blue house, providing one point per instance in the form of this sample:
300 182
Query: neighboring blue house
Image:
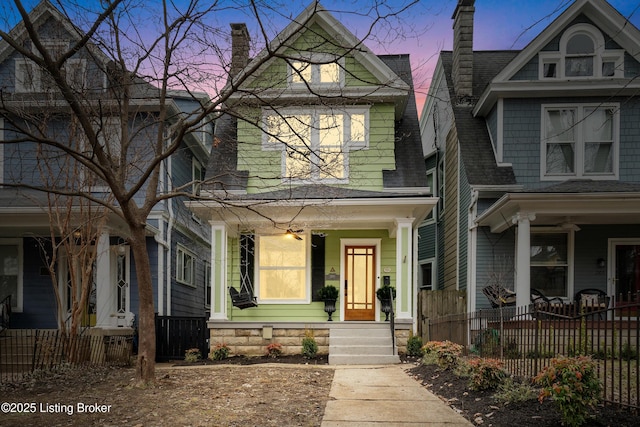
178 242
535 157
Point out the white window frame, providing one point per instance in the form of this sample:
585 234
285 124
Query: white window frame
17 306
271 144
432 216
207 284
316 61
434 285
306 238
579 148
196 175
20 86
600 56
183 256
570 233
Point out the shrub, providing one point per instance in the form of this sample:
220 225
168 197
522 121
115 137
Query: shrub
628 353
220 352
573 384
444 353
486 374
192 355
329 292
510 391
274 350
414 346
309 345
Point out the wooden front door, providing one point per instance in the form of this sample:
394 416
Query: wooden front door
359 286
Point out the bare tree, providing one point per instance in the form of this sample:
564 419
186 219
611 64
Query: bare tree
121 105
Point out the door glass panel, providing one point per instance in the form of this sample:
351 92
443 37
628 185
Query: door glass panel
627 269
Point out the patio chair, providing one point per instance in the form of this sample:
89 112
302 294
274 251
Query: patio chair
499 296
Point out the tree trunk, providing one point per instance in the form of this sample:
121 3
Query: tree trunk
146 368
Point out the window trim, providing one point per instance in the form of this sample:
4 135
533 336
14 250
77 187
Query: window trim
306 238
600 55
181 252
434 285
19 86
208 290
433 214
580 143
347 113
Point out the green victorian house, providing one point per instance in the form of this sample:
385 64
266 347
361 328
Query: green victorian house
316 178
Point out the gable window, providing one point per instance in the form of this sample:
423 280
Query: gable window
582 54
315 144
11 272
580 141
185 266
282 273
197 176
550 260
319 69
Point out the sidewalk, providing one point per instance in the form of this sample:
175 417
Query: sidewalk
384 395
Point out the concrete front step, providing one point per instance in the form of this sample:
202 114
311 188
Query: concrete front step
361 344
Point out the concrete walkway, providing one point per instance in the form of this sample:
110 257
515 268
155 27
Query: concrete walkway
384 395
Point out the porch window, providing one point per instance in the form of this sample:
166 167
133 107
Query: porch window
550 263
185 267
11 272
580 141
315 143
282 273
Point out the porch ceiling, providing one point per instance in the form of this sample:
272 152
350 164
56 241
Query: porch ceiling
560 209
316 214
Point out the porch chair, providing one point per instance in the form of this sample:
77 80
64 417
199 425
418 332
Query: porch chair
242 300
543 304
499 296
592 300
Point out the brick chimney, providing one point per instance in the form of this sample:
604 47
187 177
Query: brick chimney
463 48
239 48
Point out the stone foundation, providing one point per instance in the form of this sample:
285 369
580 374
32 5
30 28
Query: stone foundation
252 338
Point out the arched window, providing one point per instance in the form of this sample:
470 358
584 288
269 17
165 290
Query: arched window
582 54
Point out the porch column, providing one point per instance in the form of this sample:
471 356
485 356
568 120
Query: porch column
105 299
218 271
404 268
523 258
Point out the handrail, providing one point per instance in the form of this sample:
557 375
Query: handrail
392 323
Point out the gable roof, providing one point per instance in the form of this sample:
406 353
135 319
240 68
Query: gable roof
476 150
608 19
315 13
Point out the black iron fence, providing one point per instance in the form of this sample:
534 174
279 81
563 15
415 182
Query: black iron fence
23 351
527 338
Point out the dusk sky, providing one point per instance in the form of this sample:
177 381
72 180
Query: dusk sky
422 30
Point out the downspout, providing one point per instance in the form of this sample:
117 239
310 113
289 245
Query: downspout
172 220
471 253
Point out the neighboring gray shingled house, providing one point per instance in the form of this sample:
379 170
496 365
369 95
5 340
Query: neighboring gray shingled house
323 146
535 155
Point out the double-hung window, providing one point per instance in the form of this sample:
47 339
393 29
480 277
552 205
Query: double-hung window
580 141
317 70
315 143
11 272
283 274
185 267
550 262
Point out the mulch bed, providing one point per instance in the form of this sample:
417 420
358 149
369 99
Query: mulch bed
481 408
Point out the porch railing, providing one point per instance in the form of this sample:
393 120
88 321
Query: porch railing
527 338
23 351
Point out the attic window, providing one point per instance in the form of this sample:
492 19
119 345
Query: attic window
582 54
317 70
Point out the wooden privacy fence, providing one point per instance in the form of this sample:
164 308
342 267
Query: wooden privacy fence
527 338
175 335
24 351
435 304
